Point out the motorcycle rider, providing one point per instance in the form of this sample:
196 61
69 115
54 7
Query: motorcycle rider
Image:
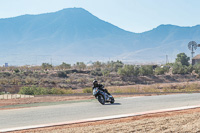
100 87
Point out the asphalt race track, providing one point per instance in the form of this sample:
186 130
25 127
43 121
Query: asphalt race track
92 109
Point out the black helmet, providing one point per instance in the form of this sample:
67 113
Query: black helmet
95 83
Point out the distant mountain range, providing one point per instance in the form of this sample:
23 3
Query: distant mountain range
74 34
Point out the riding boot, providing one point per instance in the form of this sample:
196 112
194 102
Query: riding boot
107 92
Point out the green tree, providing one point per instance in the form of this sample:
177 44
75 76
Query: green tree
64 66
97 72
80 65
97 65
46 66
183 59
161 71
128 70
146 70
116 65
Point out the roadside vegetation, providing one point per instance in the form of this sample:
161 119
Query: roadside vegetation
66 78
157 88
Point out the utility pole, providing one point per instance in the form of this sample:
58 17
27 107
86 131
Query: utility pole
167 61
36 60
51 61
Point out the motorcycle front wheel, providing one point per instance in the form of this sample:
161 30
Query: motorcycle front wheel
112 101
101 99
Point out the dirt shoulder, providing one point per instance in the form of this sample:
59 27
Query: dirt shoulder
176 121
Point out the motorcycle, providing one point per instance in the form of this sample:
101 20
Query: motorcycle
102 96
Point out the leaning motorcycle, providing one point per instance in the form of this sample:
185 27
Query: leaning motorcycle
102 96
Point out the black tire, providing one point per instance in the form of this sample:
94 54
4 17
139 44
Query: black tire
112 101
101 99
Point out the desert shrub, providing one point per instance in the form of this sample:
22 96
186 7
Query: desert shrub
46 66
114 66
197 68
96 72
178 68
116 83
61 74
146 70
128 70
82 80
61 85
80 65
161 71
190 68
117 65
36 75
5 74
4 81
41 91
27 73
97 65
105 72
30 81
15 81
87 90
64 66
16 70
27 91
59 91
68 81
56 91
33 90
44 80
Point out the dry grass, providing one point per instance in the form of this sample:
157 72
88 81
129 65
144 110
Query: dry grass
164 87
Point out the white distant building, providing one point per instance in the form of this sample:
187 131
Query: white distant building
6 64
90 63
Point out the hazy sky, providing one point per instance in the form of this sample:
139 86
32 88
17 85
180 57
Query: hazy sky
131 15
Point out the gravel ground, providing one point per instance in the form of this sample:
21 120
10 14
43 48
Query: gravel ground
178 121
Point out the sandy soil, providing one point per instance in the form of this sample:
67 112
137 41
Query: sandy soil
178 121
